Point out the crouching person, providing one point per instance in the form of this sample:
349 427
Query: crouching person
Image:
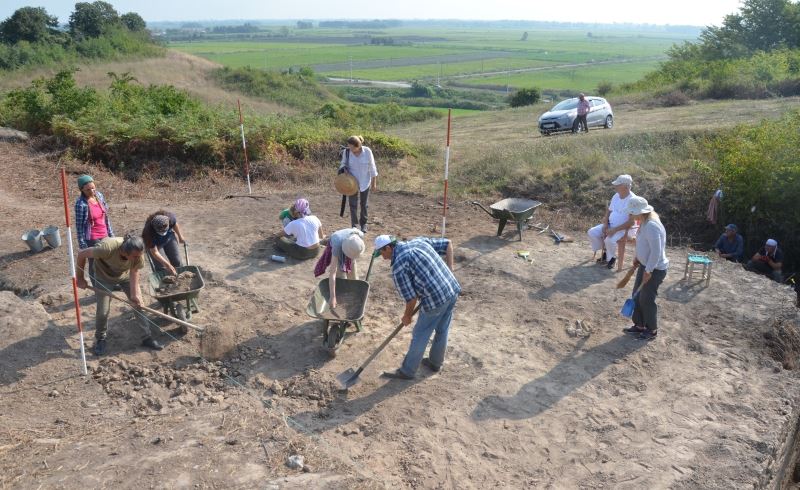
768 261
117 261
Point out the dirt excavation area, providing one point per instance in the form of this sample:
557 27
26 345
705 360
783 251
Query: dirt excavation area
540 389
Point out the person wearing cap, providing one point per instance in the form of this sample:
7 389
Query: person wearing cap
341 258
584 107
420 274
651 260
161 234
730 244
117 262
359 162
768 261
92 223
616 224
303 233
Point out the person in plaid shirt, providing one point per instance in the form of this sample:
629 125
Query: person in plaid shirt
420 274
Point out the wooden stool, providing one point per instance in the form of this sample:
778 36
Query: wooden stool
693 260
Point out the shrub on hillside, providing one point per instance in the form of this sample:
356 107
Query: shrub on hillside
525 96
298 90
673 99
604 88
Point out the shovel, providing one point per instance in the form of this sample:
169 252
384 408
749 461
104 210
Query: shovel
349 378
149 310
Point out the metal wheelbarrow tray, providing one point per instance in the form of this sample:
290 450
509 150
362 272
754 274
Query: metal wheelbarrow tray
351 295
171 302
514 209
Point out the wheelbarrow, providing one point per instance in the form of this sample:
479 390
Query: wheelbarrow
514 209
180 304
351 301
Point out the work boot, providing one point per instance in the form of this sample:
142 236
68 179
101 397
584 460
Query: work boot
430 365
99 347
396 375
152 343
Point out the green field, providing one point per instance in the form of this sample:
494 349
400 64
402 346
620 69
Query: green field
473 57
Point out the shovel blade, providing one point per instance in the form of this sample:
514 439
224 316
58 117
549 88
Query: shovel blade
348 378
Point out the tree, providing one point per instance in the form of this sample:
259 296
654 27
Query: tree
92 19
133 22
31 24
525 96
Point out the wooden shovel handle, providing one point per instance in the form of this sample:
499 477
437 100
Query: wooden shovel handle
149 310
621 284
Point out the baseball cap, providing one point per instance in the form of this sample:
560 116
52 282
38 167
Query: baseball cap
772 243
623 179
731 227
381 241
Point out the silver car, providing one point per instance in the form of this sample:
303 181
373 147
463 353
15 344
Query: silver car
564 116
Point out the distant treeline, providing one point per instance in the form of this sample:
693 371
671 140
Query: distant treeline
359 24
31 36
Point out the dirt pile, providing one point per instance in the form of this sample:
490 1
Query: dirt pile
310 385
154 388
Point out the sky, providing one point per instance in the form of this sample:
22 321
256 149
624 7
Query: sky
675 12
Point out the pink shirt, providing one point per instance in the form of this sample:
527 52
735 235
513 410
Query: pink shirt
97 218
583 107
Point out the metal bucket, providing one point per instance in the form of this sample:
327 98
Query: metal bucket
34 240
52 236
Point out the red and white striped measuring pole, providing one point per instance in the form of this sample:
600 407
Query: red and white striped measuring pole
72 269
244 148
446 172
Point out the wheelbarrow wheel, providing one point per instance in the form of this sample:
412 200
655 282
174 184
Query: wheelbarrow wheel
180 314
334 338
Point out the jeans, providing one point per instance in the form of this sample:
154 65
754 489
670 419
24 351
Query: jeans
104 307
582 122
437 320
294 250
172 253
645 311
90 244
363 198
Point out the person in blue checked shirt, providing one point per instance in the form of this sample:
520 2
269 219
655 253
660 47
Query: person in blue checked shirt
420 274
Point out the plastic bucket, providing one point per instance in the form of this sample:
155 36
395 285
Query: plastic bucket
34 240
52 236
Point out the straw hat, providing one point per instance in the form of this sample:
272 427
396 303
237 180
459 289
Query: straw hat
346 184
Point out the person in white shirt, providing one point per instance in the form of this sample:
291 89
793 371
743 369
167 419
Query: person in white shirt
303 233
652 263
616 224
359 162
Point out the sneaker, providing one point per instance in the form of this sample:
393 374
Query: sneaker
364 229
611 262
430 365
152 343
396 375
99 347
648 335
636 329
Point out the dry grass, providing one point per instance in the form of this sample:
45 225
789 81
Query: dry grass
175 68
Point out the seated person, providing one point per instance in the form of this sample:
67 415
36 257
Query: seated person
616 222
304 233
289 214
768 261
731 244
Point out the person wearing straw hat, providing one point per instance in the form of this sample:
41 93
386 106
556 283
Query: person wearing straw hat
161 235
652 262
92 223
117 262
358 161
341 258
420 274
768 261
616 224
303 233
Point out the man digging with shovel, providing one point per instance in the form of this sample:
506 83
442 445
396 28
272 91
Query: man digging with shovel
117 261
419 273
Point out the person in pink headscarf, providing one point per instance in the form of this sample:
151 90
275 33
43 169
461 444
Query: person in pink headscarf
302 234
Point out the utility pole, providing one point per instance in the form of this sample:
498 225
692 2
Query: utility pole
351 69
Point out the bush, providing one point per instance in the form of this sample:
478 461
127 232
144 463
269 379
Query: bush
525 96
674 99
604 88
298 90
